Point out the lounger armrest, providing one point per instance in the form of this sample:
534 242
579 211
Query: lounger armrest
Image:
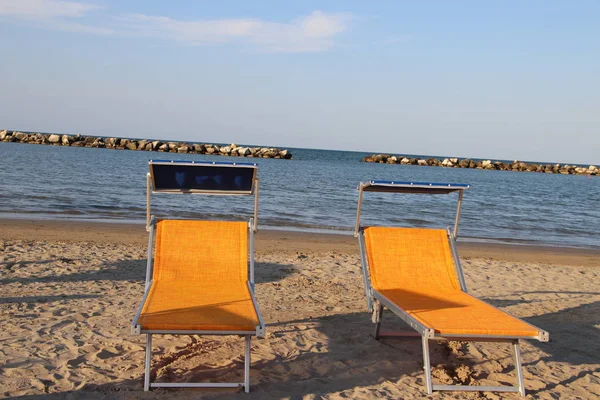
135 328
260 329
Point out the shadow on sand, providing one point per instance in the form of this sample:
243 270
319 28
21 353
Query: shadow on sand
335 359
341 361
132 270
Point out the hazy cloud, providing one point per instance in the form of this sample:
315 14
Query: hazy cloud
314 32
311 33
43 9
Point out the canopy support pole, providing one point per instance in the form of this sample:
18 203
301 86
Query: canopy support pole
458 207
148 193
360 198
255 227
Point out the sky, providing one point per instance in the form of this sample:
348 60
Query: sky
485 79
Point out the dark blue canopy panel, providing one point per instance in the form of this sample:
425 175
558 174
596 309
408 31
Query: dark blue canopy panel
413 187
202 177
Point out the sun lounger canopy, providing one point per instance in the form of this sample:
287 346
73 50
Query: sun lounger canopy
410 188
413 187
202 177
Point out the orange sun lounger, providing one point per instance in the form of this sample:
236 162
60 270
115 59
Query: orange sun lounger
416 274
200 274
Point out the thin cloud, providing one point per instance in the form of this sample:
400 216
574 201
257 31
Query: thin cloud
81 28
44 9
314 32
311 33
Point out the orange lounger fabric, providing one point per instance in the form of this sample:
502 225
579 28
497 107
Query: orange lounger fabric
415 270
200 278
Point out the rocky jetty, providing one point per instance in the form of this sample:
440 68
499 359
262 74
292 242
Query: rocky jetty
485 164
142 145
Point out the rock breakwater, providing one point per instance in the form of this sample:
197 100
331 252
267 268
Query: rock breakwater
485 164
142 145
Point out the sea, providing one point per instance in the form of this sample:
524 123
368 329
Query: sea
314 192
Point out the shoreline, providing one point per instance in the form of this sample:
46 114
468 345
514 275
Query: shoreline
273 240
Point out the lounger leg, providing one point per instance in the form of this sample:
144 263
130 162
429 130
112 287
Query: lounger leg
247 366
519 368
427 365
148 358
377 313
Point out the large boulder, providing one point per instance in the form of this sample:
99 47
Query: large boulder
54 138
156 144
286 154
110 143
172 146
131 145
141 144
37 138
66 140
20 136
225 150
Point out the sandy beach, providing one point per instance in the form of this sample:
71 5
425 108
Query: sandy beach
70 290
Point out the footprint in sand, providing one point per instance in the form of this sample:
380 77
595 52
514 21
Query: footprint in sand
76 361
105 354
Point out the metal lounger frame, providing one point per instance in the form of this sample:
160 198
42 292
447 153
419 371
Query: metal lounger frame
258 332
376 303
151 227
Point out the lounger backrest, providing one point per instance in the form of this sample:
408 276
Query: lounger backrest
410 258
213 252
